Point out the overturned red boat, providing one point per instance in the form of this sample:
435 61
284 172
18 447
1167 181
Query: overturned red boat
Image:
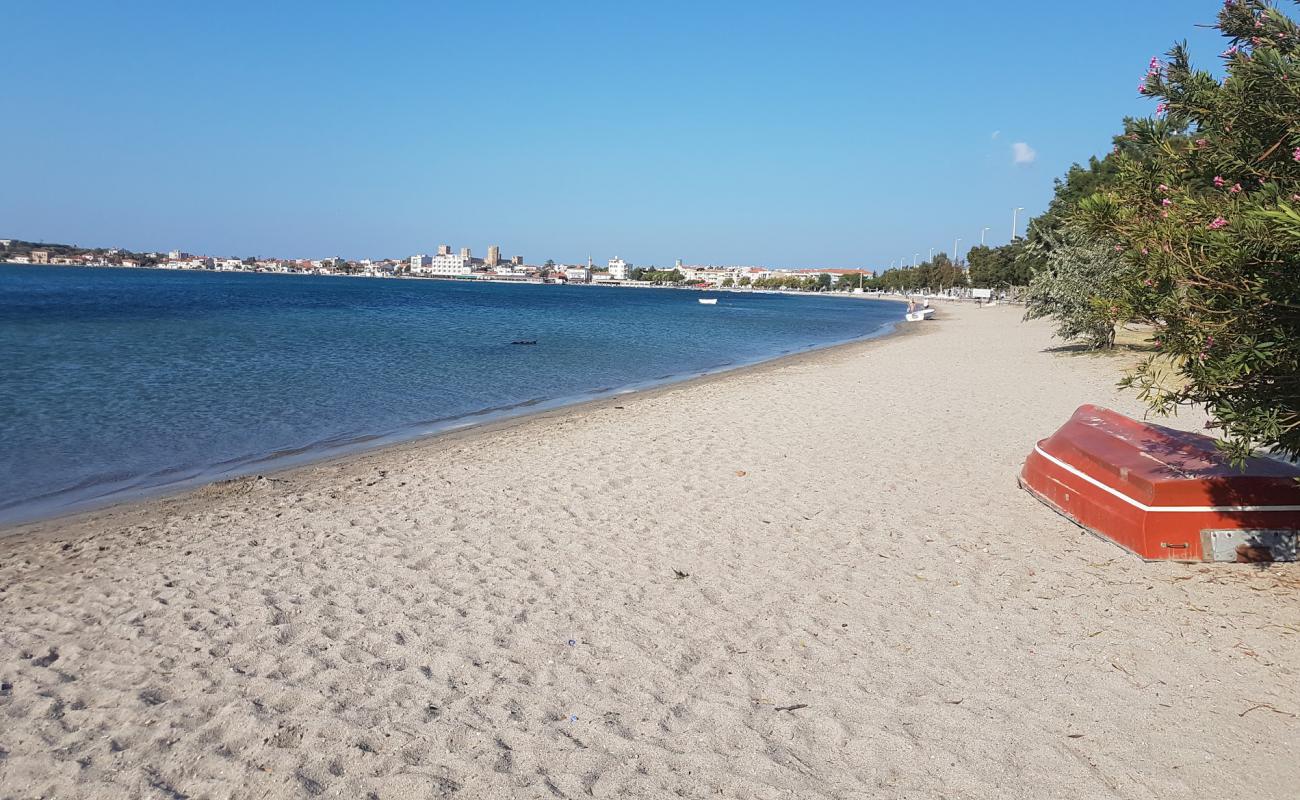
1166 495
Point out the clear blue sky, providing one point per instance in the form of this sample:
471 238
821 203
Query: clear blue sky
834 134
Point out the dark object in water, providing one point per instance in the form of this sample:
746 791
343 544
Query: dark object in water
522 341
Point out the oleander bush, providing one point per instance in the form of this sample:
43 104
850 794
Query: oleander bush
1198 231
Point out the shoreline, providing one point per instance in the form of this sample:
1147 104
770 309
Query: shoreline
473 278
813 578
277 465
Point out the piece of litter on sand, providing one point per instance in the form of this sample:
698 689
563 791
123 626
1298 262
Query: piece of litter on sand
1269 706
740 473
794 707
679 575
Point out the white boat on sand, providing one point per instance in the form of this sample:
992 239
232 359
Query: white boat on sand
919 314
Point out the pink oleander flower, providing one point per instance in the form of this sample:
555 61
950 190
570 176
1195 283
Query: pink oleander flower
1164 214
1202 142
1219 181
1149 282
1145 251
1295 155
1166 202
1218 222
1161 108
1235 188
1163 188
1119 247
1142 88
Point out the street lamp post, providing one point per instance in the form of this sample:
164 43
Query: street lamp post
915 256
986 230
955 259
932 255
1015 214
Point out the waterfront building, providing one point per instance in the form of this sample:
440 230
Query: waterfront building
577 274
493 256
444 249
450 266
517 261
619 269
420 264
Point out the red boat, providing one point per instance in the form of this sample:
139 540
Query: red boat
1166 495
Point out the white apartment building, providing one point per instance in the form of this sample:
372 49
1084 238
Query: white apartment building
577 274
420 264
448 265
619 269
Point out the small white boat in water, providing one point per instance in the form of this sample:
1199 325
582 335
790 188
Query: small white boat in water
709 301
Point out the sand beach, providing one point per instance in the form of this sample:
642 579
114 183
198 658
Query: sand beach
815 578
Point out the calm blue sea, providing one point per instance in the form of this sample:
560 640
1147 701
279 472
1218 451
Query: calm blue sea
116 383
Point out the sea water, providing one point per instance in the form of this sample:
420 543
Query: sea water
120 382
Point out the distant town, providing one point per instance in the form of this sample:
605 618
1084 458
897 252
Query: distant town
449 264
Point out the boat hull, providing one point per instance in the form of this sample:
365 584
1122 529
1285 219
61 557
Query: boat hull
1164 495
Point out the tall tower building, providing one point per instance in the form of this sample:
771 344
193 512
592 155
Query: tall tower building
494 256
444 249
464 253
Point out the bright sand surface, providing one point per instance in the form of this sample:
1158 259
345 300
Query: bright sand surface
814 578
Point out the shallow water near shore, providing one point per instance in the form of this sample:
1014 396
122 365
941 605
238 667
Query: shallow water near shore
119 383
